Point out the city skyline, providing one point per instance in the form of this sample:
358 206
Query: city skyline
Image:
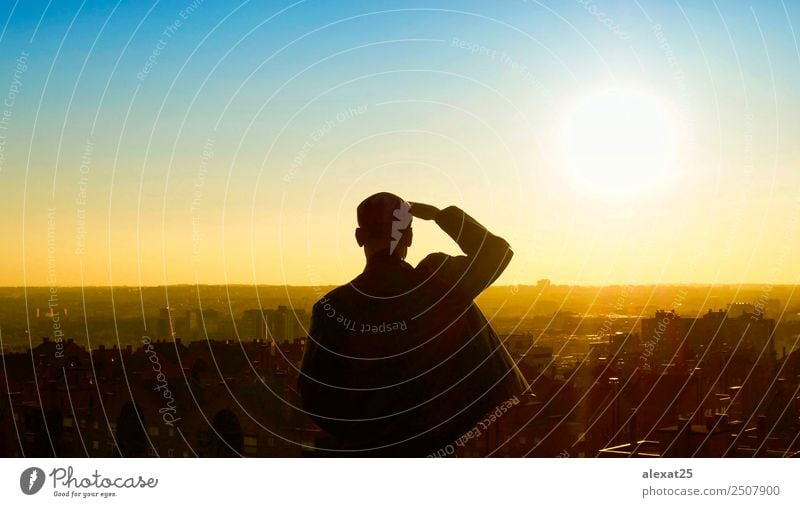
676 384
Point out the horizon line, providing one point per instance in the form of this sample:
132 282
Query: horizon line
506 285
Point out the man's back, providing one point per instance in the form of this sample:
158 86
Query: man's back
400 362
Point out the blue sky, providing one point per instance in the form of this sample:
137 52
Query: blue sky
470 125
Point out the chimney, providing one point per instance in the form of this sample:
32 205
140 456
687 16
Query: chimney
762 428
721 421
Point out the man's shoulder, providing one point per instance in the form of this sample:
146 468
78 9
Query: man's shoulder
440 266
444 273
432 262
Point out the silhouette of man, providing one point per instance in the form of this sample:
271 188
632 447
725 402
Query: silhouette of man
400 361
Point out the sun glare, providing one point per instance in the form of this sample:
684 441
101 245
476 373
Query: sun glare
618 142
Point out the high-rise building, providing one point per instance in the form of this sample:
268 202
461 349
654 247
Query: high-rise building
280 325
284 324
253 326
670 338
166 324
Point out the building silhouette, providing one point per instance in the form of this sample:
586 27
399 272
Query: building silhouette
674 385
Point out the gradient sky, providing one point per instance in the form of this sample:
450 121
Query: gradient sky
233 145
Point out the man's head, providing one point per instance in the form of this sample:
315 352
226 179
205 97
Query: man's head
384 223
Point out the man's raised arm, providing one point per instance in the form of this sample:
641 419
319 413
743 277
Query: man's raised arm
486 256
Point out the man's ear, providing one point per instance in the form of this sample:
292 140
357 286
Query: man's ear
359 236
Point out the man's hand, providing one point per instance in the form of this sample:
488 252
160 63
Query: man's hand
424 211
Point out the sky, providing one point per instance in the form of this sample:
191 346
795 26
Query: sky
150 143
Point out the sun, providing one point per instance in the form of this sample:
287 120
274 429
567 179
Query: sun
618 141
